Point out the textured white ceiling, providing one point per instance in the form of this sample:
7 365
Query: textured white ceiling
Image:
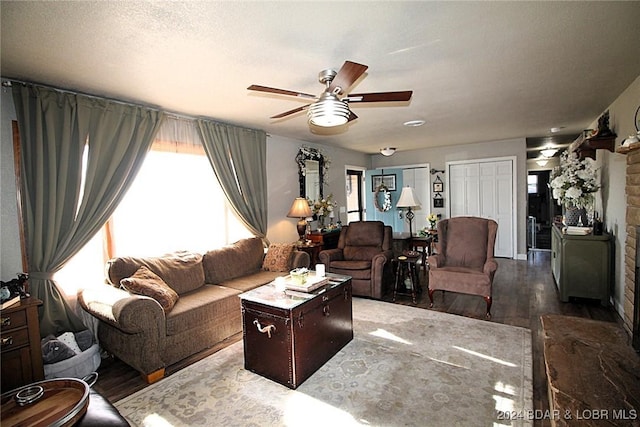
480 71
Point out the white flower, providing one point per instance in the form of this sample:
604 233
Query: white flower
574 181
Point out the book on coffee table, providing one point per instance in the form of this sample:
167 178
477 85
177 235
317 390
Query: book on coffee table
313 282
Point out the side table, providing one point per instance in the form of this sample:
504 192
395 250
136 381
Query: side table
313 249
21 352
406 268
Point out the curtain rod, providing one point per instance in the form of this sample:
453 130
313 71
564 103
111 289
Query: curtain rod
7 82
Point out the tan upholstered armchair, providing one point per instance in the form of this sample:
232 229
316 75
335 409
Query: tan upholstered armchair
464 262
364 251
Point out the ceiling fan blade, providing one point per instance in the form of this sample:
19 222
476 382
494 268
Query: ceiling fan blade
348 74
352 116
288 113
379 96
280 91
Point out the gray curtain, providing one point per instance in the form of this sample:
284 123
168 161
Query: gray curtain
60 211
239 159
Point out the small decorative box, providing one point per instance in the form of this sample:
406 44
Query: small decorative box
299 276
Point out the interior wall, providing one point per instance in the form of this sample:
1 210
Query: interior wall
437 157
613 172
282 176
10 253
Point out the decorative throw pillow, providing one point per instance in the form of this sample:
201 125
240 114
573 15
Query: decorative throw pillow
54 350
146 282
84 339
278 257
70 340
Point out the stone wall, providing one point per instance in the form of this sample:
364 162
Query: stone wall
632 190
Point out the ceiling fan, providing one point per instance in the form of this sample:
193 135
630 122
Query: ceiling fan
331 108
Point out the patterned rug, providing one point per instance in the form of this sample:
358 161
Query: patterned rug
405 367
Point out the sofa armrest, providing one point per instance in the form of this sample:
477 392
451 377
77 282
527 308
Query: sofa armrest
329 255
490 266
300 259
128 312
435 261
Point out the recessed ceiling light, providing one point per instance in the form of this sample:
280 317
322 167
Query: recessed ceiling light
556 129
414 123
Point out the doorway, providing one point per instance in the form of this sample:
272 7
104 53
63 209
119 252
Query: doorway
355 204
541 210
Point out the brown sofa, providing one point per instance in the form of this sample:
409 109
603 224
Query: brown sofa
136 329
364 252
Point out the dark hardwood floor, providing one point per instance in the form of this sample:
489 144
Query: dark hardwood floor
522 292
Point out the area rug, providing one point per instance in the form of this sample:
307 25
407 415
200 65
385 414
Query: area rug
405 367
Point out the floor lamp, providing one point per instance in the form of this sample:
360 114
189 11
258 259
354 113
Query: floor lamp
408 200
300 209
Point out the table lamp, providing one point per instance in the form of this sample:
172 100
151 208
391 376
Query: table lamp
408 200
300 209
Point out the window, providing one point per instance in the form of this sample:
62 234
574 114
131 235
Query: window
174 204
532 184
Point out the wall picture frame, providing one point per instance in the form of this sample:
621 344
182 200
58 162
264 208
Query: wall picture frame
388 181
438 202
438 187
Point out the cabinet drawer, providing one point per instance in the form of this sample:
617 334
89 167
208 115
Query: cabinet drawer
12 320
14 339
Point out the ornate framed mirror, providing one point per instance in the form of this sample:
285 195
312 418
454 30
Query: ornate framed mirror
312 169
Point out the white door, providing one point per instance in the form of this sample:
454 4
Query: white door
485 189
418 178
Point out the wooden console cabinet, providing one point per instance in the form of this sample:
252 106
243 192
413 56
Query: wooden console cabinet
20 345
581 265
328 239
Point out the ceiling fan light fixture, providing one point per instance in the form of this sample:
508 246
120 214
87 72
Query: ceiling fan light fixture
328 111
542 162
387 151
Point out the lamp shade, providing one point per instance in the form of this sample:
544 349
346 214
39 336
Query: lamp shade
408 198
300 208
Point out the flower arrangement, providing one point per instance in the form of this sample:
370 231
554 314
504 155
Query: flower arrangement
432 218
322 207
574 181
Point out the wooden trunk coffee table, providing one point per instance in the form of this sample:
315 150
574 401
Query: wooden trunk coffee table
290 335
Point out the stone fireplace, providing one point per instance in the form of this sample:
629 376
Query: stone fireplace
632 248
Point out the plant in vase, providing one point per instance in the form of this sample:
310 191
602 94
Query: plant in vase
574 183
433 219
322 208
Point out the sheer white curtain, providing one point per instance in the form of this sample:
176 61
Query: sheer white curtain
175 203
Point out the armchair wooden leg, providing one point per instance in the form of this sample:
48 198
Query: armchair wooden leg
489 301
431 291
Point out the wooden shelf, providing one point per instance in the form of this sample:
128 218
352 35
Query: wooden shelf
586 147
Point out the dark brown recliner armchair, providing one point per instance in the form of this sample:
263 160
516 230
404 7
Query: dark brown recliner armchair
464 262
364 251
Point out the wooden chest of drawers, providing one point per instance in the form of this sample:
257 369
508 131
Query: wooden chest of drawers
20 344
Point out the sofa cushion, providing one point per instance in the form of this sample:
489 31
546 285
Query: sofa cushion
146 282
211 303
278 257
238 259
252 281
182 271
